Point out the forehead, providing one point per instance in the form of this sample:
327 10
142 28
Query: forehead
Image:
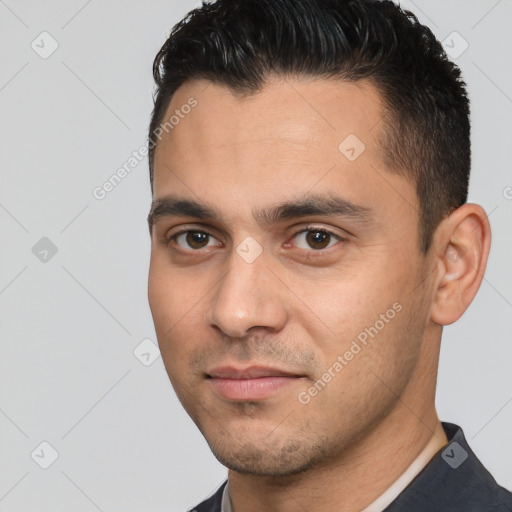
290 138
285 112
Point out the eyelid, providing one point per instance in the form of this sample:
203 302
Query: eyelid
313 227
183 227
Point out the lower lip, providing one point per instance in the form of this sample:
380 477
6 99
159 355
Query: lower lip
250 389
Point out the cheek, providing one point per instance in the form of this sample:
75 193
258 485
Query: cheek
171 291
172 301
177 299
344 306
369 307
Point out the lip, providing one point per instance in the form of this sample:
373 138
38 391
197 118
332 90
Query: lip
250 383
249 372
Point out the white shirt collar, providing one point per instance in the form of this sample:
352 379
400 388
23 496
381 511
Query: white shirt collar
406 478
226 500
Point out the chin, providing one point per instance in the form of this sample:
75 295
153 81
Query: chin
261 458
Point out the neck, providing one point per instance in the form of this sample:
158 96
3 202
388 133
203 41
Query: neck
347 485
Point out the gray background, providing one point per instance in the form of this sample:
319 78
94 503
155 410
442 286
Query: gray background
70 321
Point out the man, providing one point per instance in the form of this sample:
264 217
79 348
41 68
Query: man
310 239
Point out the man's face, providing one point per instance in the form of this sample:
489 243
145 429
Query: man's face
286 284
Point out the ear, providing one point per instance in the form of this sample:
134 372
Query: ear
461 242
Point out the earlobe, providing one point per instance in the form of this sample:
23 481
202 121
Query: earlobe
463 241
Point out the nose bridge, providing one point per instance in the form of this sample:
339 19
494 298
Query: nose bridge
245 297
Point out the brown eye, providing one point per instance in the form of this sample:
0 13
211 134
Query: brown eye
194 240
197 240
317 239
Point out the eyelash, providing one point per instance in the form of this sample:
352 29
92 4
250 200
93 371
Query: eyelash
338 238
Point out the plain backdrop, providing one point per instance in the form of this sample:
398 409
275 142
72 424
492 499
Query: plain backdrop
74 313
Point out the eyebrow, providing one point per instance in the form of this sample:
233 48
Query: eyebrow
320 205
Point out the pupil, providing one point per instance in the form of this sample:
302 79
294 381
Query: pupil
318 239
197 239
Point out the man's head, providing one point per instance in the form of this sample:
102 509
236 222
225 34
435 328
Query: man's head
309 237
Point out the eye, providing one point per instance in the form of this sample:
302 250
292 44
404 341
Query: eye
314 238
194 240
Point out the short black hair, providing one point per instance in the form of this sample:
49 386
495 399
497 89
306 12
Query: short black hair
242 43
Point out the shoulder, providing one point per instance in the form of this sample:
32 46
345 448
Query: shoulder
454 480
211 504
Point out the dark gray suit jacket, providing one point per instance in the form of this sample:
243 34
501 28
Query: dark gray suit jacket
453 481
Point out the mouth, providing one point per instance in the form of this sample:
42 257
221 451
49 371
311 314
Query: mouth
252 383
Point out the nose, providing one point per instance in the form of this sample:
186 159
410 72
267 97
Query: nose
248 297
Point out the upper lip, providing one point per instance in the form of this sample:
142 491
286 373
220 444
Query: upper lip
249 372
